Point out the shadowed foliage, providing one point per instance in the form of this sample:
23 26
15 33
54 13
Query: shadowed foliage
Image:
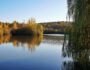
79 12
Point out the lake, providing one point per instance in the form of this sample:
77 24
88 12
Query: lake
41 53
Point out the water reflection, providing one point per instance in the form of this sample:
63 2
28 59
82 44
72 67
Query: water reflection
53 39
80 56
50 54
46 57
22 41
4 39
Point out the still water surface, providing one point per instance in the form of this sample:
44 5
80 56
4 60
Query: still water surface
39 53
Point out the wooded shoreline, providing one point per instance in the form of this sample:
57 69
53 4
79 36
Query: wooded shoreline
32 28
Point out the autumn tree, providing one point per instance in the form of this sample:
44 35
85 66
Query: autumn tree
15 24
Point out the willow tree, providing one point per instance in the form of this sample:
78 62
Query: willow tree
79 12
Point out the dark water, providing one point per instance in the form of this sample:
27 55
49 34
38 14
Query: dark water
41 53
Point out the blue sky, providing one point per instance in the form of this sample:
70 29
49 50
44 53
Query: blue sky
41 10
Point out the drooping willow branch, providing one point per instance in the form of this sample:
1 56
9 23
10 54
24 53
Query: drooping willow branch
79 11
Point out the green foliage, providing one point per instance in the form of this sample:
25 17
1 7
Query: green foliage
79 12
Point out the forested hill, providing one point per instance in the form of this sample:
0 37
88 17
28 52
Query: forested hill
55 27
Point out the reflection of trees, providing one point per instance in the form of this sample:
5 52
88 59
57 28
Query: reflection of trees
30 42
25 41
76 66
4 39
80 56
53 39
